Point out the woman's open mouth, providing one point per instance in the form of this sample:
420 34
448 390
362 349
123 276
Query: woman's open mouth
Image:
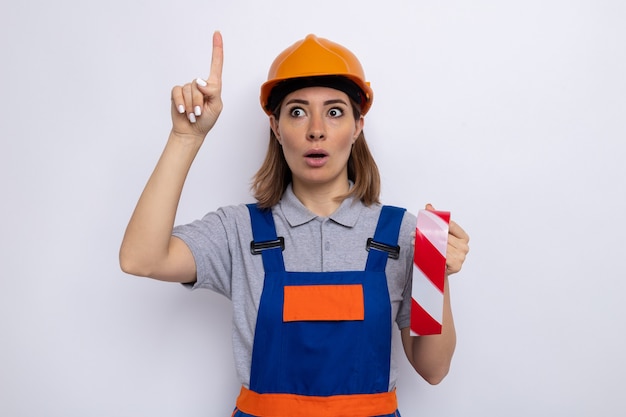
316 158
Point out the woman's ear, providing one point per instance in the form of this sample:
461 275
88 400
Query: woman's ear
274 127
359 128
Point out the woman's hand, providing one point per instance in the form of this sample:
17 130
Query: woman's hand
197 105
458 246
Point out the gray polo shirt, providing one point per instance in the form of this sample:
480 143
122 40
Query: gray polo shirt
220 243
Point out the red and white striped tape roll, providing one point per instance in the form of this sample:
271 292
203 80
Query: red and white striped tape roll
429 268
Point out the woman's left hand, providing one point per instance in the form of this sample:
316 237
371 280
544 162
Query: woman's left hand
458 246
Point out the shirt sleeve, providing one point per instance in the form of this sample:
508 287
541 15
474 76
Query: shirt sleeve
210 240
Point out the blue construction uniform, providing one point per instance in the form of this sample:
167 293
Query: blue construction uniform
322 343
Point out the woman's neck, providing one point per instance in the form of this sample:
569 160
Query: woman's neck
322 200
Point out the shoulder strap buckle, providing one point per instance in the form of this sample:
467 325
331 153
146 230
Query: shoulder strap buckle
392 251
256 248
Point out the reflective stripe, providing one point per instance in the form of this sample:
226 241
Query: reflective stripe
323 302
291 405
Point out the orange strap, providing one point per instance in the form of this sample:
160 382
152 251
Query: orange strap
292 405
323 302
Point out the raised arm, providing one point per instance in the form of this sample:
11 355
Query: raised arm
148 248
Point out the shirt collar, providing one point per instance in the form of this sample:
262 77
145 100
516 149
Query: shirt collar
297 214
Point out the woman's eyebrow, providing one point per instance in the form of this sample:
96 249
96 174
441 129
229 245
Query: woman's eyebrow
335 101
306 102
297 101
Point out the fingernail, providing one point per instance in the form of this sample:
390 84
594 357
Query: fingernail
197 110
201 82
192 117
181 108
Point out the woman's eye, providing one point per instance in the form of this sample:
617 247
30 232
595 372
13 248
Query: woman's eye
296 112
335 112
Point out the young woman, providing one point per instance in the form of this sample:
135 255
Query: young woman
314 302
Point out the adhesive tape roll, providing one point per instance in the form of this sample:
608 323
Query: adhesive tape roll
429 269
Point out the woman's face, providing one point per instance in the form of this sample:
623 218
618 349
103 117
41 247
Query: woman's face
316 129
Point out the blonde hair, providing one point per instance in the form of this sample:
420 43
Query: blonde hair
274 175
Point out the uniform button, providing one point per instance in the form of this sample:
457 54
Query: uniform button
327 245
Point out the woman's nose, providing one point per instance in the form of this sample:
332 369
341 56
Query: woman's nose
316 130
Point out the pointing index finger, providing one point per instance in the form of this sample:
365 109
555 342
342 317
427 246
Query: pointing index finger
217 59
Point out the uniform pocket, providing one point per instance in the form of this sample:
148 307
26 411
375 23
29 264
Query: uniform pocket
323 303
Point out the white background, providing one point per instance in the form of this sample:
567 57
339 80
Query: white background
509 114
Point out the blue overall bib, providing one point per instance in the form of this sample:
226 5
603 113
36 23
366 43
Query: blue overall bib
322 343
